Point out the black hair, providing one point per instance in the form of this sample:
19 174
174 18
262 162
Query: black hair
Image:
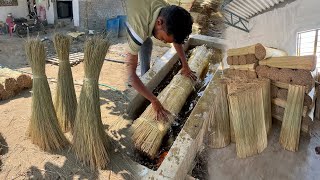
178 22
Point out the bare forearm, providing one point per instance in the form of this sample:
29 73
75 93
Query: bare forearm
137 84
135 81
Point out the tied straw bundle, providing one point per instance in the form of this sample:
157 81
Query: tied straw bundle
65 100
89 138
148 132
44 128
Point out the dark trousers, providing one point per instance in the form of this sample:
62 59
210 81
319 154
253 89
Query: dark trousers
145 55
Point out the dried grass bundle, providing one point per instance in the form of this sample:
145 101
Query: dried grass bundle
282 94
277 110
44 128
4 93
247 116
285 75
290 129
262 71
147 131
23 81
65 99
229 60
235 60
10 84
242 60
251 58
219 121
274 91
273 73
90 141
303 78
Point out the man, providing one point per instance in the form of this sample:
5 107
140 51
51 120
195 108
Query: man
168 23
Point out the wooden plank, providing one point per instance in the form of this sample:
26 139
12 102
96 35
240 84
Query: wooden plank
291 125
292 62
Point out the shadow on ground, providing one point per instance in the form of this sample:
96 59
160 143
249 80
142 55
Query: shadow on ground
3 148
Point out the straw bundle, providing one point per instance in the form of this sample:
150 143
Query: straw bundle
147 131
292 62
247 116
290 129
65 100
229 60
89 138
44 128
274 91
283 77
260 51
235 60
278 112
219 126
5 94
251 58
242 60
249 67
265 85
23 81
10 84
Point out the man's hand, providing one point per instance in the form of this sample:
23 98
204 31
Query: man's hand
186 71
162 113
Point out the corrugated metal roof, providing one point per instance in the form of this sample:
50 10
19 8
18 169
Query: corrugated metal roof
249 8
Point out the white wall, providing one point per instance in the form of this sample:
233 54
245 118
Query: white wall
76 13
17 11
278 28
51 12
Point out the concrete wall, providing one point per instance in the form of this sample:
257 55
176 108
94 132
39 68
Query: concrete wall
51 13
278 28
95 12
76 13
17 11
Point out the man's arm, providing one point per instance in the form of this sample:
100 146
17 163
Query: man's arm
185 70
137 84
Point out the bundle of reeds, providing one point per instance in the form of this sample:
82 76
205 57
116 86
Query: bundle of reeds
148 132
258 50
290 129
10 84
5 93
24 81
44 128
248 120
65 99
219 121
283 77
89 138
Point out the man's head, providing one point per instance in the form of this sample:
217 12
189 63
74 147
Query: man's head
174 24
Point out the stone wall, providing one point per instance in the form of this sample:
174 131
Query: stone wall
93 13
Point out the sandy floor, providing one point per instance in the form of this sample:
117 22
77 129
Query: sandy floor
23 160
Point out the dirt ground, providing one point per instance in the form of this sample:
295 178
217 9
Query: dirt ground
20 159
